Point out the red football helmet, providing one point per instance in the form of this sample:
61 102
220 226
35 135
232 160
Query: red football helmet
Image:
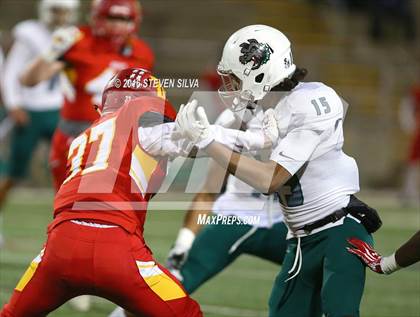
128 84
105 11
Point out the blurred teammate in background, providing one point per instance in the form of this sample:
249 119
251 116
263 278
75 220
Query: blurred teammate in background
410 123
35 110
89 56
1 58
1 138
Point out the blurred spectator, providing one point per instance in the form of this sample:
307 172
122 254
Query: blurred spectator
1 68
33 111
410 123
210 79
5 123
1 58
348 4
398 13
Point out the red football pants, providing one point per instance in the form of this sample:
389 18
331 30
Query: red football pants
60 144
106 262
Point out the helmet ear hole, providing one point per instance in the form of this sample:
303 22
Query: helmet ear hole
259 78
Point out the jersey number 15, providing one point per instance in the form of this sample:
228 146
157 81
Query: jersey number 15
324 104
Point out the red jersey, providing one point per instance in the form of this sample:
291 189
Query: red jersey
109 176
414 155
90 65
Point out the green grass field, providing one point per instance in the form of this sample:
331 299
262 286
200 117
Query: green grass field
242 289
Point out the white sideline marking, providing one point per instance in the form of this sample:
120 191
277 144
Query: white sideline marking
232 311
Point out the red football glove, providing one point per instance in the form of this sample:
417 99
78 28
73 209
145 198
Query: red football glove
367 254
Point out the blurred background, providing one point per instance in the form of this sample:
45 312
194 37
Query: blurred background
368 51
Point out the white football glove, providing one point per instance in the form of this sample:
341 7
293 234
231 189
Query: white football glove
192 123
179 252
62 39
270 126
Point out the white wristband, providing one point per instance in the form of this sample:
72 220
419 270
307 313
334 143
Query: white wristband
389 264
185 238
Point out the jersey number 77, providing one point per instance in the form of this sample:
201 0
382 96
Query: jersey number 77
104 134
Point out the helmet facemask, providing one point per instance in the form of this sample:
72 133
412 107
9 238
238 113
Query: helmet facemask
231 92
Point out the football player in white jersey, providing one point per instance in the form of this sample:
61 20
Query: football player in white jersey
314 178
33 110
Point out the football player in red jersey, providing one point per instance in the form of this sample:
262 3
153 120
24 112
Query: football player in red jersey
88 56
95 243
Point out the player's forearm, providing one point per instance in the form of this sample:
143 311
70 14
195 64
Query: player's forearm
204 200
191 220
266 177
40 70
201 205
409 252
18 56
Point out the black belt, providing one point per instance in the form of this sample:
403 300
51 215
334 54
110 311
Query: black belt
335 216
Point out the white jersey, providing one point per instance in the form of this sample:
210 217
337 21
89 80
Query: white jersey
310 121
240 199
31 38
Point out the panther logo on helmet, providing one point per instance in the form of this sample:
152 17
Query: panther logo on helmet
258 53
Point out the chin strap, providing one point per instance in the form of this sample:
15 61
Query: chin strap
389 264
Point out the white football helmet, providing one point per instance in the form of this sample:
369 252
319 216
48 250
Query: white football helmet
46 14
255 59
